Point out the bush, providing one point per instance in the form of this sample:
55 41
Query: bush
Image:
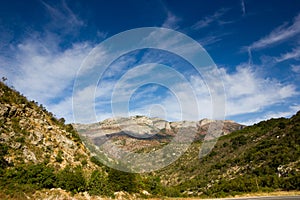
36 176
98 184
122 181
40 175
153 185
71 179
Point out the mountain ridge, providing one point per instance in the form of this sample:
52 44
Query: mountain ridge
142 127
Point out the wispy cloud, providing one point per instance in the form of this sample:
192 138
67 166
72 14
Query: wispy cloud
281 33
63 18
171 21
208 20
294 54
212 38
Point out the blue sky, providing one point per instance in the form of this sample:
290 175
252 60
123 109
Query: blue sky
254 44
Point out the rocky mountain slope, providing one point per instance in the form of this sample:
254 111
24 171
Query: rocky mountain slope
33 135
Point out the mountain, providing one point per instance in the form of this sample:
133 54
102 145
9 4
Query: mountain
41 157
137 133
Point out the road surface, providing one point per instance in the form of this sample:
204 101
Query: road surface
266 198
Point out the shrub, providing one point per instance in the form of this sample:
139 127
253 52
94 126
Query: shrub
122 181
71 179
98 184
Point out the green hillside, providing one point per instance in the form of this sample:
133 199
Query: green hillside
259 158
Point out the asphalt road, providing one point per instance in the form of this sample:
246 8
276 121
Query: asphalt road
266 198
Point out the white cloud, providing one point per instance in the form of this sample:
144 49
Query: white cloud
51 73
279 34
43 73
38 68
247 92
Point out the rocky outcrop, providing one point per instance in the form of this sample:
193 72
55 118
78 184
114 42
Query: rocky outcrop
34 135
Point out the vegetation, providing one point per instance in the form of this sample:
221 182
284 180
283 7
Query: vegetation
26 179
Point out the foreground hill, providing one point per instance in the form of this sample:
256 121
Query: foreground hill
262 157
42 158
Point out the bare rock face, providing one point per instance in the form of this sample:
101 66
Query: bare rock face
139 132
140 126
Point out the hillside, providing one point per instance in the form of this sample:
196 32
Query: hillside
33 135
262 157
42 157
37 150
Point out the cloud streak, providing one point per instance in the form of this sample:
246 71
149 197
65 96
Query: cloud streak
63 18
294 54
208 20
281 33
171 21
243 7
